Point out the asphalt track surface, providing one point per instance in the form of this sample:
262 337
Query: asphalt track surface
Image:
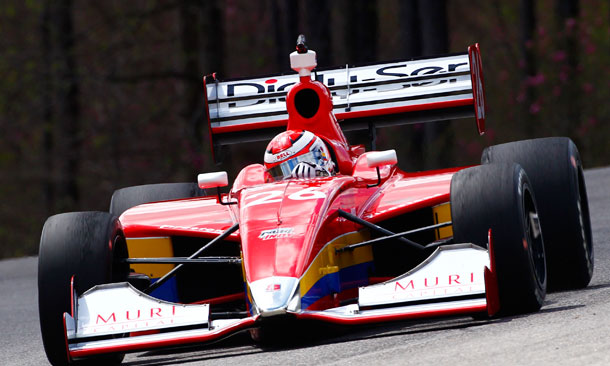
572 328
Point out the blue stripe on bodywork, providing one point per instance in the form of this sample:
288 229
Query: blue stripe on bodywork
167 291
344 279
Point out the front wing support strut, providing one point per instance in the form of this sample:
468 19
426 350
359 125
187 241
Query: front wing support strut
356 219
171 273
393 236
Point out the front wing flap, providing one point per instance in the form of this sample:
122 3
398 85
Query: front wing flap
117 318
455 279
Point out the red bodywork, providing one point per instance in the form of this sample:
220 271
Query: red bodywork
290 232
284 225
304 206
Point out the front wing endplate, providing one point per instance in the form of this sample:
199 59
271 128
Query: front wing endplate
116 317
455 279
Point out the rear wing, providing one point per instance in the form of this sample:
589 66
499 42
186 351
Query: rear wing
410 91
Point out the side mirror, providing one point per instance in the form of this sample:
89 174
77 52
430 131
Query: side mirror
213 180
375 159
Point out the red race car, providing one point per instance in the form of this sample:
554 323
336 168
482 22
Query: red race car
323 229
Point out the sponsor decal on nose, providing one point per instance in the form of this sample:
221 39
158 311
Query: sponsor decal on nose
282 232
271 295
273 287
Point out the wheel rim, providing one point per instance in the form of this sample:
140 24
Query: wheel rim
119 269
534 237
584 218
583 212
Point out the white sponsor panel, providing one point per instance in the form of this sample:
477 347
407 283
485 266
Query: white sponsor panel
451 271
120 308
146 341
363 88
353 311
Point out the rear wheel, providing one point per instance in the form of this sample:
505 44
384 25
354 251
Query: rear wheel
499 197
86 245
126 198
555 170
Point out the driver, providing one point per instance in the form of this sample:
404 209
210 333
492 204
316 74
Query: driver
298 154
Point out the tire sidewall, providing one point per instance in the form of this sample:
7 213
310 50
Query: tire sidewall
555 171
582 216
499 197
128 197
79 244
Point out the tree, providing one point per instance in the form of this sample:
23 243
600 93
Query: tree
567 13
438 141
362 26
423 27
409 30
285 30
318 30
528 56
47 106
200 51
424 33
433 22
67 113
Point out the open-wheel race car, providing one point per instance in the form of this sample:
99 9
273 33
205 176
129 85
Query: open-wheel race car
324 230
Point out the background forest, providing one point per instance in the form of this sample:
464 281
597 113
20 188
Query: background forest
98 95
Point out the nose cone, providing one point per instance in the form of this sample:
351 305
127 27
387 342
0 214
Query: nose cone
272 295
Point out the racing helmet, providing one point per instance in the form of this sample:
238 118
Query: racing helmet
298 154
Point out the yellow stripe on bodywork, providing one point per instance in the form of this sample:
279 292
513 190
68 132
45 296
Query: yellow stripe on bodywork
151 248
442 213
328 261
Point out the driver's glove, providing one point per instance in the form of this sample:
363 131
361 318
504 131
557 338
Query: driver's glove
308 170
304 170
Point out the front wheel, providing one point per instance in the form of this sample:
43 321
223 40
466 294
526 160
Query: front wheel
554 167
500 197
126 198
88 246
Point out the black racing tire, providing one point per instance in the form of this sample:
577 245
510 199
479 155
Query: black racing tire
555 170
86 245
499 197
126 198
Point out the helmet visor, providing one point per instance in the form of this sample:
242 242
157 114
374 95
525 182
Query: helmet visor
284 169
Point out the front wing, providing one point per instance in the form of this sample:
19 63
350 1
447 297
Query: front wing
117 318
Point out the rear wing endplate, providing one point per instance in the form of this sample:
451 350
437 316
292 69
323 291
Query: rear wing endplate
415 91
